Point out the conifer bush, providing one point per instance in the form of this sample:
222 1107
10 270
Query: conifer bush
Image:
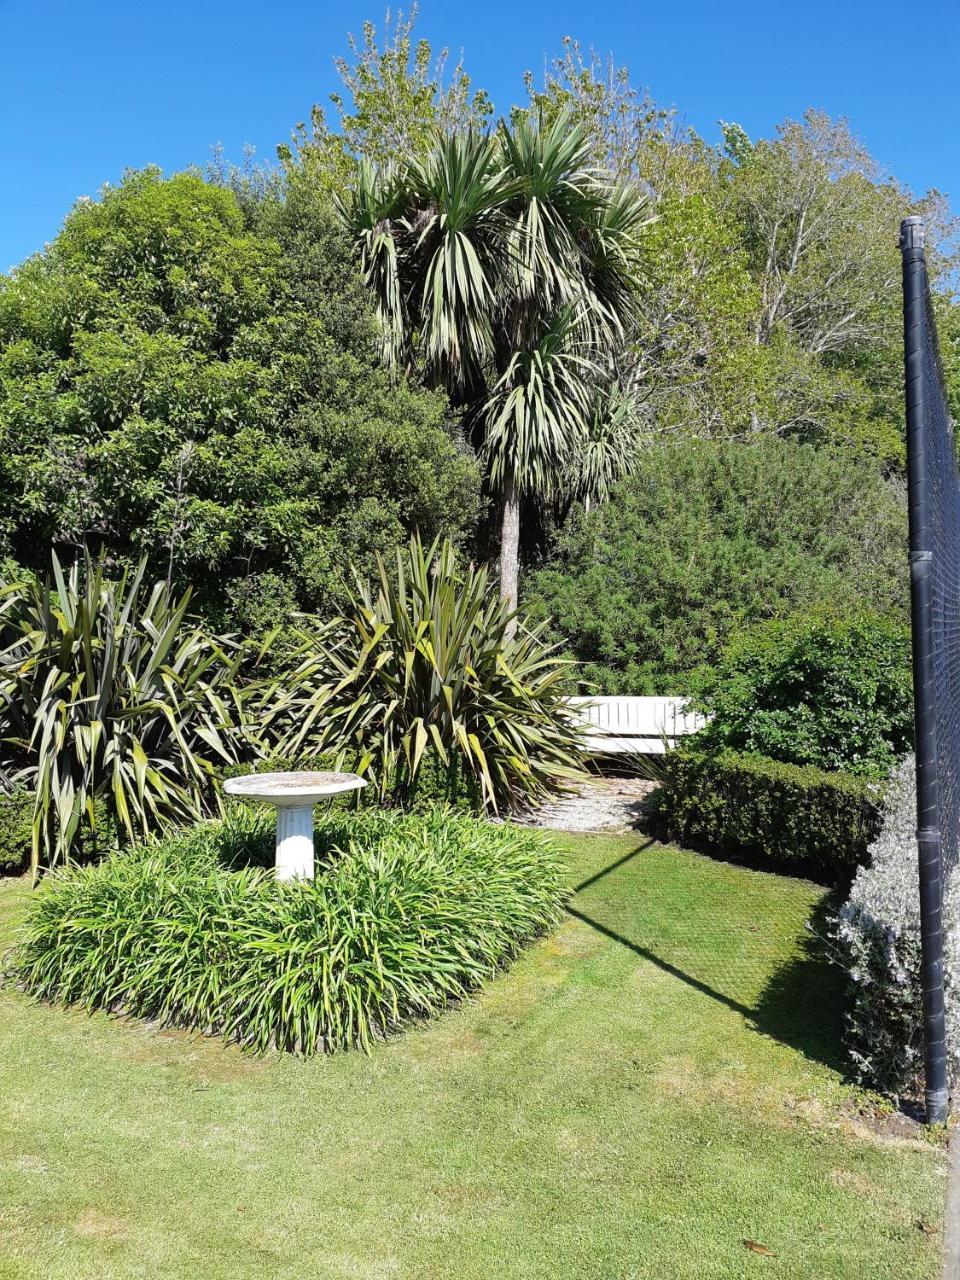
16 830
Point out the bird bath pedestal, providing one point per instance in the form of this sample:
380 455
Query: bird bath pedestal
294 795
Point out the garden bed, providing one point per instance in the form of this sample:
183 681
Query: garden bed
407 913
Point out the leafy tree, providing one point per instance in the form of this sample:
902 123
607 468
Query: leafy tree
631 137
691 357
178 383
819 221
770 291
503 266
396 98
710 537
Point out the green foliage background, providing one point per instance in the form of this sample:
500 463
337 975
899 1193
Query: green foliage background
180 380
712 536
191 371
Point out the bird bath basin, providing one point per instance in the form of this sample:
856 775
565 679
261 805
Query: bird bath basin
294 795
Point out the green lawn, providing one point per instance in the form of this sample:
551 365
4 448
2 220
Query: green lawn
648 1087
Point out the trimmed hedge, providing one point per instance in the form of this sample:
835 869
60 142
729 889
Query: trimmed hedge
407 913
791 817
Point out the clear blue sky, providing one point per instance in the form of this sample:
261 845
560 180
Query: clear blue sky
88 90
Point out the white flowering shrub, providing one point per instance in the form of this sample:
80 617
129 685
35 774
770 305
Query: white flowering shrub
878 929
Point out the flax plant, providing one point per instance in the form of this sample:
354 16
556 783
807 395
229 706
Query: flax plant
424 665
113 704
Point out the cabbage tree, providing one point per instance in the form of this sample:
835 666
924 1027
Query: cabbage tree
504 268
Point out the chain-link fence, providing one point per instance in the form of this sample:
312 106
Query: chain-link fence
934 504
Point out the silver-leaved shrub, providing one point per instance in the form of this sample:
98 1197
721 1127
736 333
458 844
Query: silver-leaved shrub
878 930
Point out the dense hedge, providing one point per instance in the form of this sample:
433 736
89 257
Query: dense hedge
792 817
406 913
16 823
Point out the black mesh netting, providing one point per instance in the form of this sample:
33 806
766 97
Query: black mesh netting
943 517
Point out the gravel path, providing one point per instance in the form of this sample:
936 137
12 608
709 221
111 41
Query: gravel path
601 804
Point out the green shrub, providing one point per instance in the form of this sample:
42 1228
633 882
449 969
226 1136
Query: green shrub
790 817
424 684
834 693
16 830
407 913
878 933
710 537
112 703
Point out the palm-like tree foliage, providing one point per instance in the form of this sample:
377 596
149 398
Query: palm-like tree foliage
554 201
374 209
424 665
505 265
611 444
457 231
536 414
110 697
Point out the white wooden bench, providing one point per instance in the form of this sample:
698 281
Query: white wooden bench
641 726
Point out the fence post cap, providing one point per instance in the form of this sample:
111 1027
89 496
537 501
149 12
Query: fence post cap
912 232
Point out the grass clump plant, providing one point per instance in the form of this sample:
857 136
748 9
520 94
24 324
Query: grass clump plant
407 913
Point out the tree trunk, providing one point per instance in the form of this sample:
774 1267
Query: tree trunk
510 552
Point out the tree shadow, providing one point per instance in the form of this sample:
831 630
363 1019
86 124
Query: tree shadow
802 1002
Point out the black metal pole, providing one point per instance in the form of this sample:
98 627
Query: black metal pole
921 585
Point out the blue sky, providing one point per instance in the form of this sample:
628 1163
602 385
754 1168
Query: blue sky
89 90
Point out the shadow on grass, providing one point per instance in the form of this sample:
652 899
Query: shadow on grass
614 866
801 1004
804 1001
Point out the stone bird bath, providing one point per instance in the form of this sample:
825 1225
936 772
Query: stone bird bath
294 795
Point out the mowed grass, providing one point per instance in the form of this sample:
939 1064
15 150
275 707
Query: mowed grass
649 1087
